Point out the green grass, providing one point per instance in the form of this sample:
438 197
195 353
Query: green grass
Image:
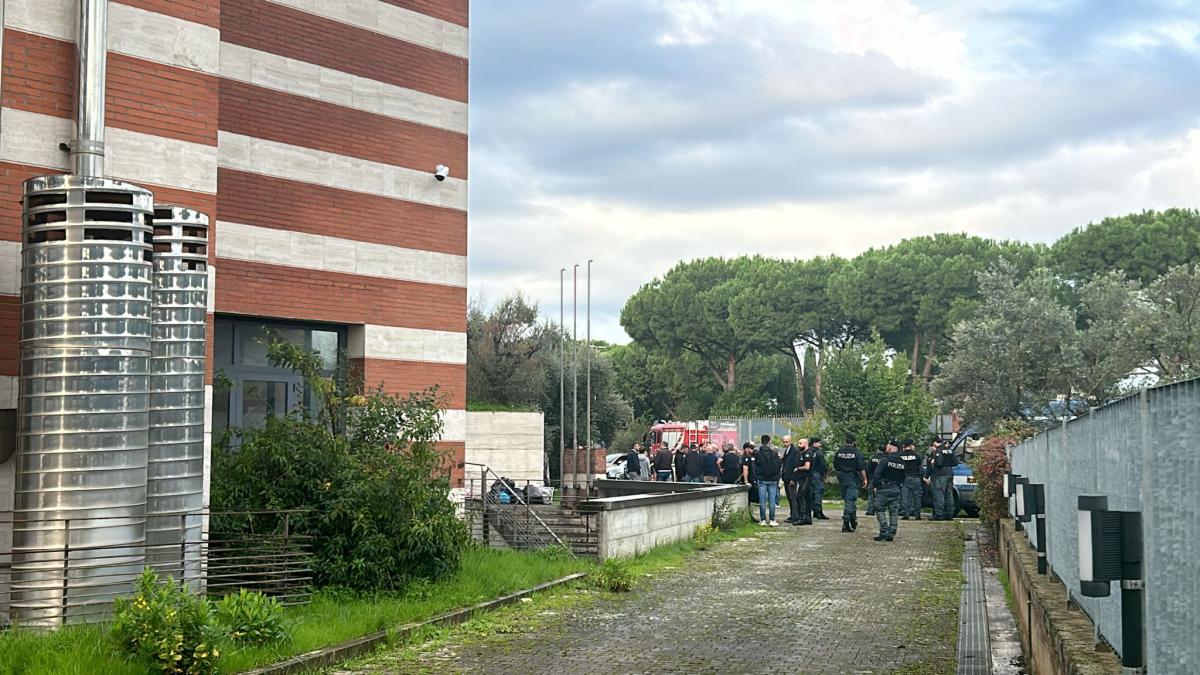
935 623
1008 596
330 618
475 406
671 555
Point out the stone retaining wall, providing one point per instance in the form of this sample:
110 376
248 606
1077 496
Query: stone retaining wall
633 524
1056 637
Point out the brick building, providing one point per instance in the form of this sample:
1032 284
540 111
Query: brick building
309 131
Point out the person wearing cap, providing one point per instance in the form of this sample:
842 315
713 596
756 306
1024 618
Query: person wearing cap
943 482
910 493
889 476
748 477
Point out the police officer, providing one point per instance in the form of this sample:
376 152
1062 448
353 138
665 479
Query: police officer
852 475
889 476
820 467
871 466
792 455
804 473
943 482
910 494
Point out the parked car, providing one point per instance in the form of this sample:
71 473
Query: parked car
964 479
615 465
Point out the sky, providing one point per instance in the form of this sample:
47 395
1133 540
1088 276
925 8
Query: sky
639 133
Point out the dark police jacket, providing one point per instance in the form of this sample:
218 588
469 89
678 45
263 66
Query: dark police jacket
820 464
912 463
849 460
945 462
890 472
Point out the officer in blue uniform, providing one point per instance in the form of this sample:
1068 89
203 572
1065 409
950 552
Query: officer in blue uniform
852 476
889 476
816 481
910 494
943 482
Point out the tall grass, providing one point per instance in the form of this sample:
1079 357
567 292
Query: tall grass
330 618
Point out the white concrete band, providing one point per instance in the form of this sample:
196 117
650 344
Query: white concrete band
8 392
390 20
454 426
33 138
407 344
10 268
131 31
332 254
333 86
269 158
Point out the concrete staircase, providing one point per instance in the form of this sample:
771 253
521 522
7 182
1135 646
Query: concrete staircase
514 526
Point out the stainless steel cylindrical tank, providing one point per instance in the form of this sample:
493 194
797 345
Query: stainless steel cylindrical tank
175 464
80 499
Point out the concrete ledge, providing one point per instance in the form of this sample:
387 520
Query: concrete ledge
1057 637
368 643
643 494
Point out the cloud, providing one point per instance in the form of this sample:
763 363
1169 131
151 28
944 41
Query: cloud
642 133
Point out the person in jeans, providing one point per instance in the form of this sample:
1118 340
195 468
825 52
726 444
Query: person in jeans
712 470
767 467
662 464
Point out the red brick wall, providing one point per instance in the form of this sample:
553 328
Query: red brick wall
266 201
258 289
141 96
296 120
258 24
454 11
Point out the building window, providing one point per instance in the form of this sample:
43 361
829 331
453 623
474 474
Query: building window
251 389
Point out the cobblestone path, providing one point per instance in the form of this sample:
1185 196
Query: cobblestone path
789 600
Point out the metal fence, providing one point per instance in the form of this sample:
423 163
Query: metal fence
227 551
752 428
1142 453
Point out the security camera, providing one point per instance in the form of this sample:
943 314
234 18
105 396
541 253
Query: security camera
441 172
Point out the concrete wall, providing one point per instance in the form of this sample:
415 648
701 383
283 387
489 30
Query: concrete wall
640 523
1056 636
511 443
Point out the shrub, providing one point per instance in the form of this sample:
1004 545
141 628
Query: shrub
990 463
365 469
726 516
703 538
251 618
166 627
613 575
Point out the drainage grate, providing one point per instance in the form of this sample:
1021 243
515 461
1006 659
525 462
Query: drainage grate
974 649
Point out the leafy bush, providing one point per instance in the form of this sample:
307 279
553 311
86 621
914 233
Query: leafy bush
703 538
726 516
167 627
251 618
990 463
613 575
365 469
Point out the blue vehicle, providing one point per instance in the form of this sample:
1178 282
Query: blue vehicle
964 479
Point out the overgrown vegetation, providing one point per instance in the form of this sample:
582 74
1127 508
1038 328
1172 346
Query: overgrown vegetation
613 575
703 537
333 616
728 517
251 618
166 627
363 469
990 463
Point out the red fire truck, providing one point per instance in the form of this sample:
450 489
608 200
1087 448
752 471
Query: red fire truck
700 432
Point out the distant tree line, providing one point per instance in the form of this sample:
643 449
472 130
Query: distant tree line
994 328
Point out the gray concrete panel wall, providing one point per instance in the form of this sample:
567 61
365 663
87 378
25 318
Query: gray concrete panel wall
1140 452
511 443
631 531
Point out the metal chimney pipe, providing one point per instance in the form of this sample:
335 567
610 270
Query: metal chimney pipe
87 149
175 461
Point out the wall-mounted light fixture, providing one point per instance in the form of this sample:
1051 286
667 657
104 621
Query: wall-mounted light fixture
1031 507
1014 490
1110 549
1008 483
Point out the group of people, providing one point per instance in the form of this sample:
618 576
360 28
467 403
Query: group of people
894 477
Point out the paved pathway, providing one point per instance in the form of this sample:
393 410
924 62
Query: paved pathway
790 600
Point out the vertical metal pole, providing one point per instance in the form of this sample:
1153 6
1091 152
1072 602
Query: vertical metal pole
575 376
562 379
588 396
87 148
1133 594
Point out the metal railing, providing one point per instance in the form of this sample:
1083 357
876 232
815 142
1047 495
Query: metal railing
501 513
71 583
1140 452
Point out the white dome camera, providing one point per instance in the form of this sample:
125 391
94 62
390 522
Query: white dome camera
441 172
